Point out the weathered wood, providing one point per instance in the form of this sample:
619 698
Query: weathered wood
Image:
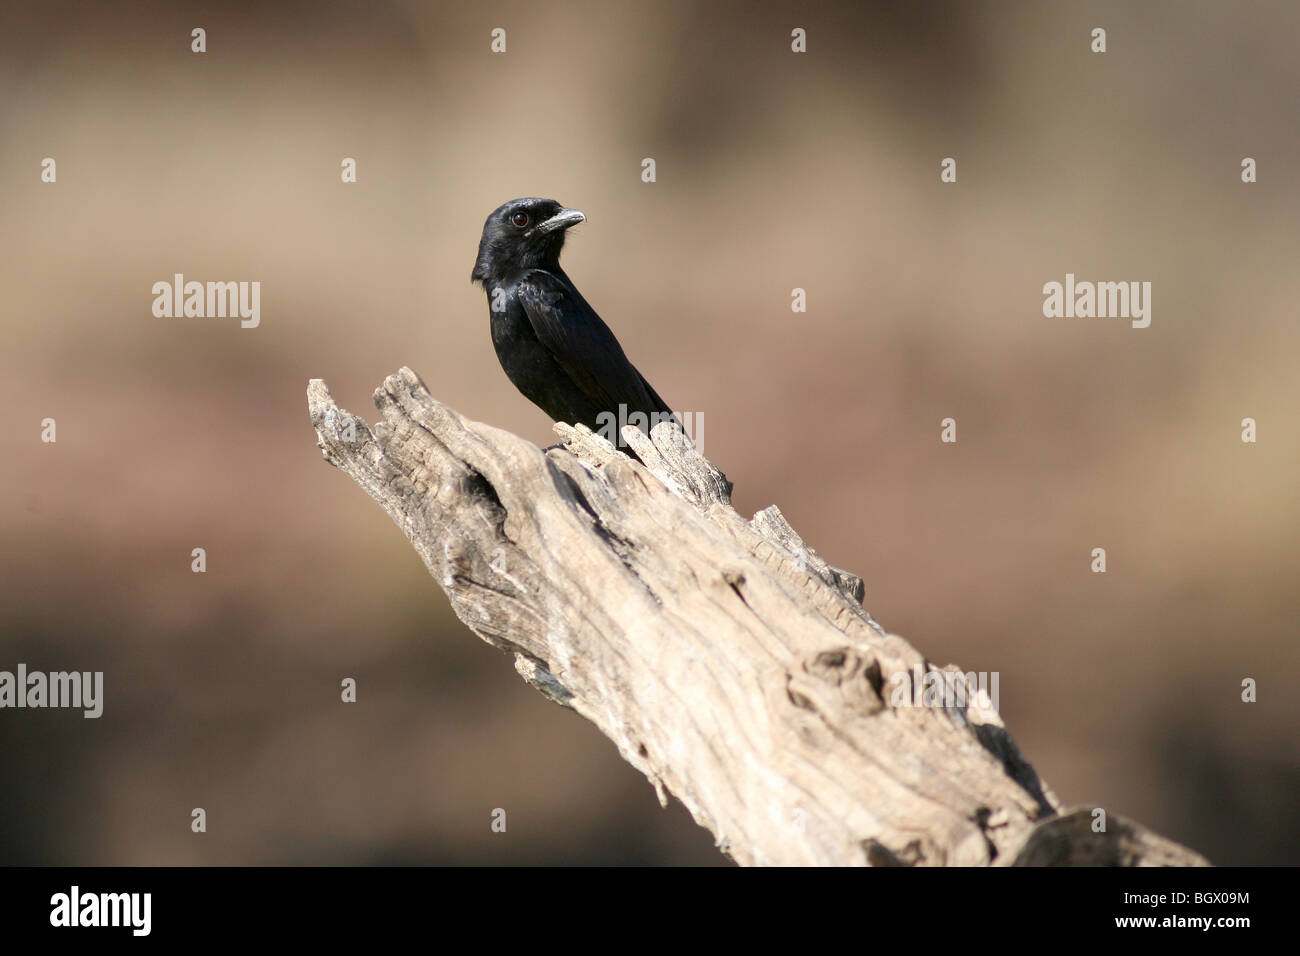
726 660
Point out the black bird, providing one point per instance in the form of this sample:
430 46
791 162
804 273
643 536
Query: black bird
551 343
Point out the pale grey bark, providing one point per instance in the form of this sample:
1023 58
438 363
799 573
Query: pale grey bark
724 658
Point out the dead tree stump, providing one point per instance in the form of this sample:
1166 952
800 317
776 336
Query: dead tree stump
728 662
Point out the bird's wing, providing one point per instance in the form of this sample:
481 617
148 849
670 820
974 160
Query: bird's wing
583 344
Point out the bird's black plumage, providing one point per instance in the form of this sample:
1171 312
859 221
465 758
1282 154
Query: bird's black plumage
551 343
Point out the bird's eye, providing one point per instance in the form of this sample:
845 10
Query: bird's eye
520 219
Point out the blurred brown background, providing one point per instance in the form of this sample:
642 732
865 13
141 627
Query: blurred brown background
775 170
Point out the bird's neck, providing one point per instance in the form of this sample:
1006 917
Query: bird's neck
521 269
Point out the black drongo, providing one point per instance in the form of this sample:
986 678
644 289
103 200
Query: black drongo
551 343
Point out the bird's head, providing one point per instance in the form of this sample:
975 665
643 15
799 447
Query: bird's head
522 234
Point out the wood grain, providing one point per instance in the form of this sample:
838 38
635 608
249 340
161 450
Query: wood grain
723 657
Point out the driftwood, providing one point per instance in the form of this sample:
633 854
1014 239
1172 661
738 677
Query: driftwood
728 662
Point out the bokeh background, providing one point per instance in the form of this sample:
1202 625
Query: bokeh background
775 171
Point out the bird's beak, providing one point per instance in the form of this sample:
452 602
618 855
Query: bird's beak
561 220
